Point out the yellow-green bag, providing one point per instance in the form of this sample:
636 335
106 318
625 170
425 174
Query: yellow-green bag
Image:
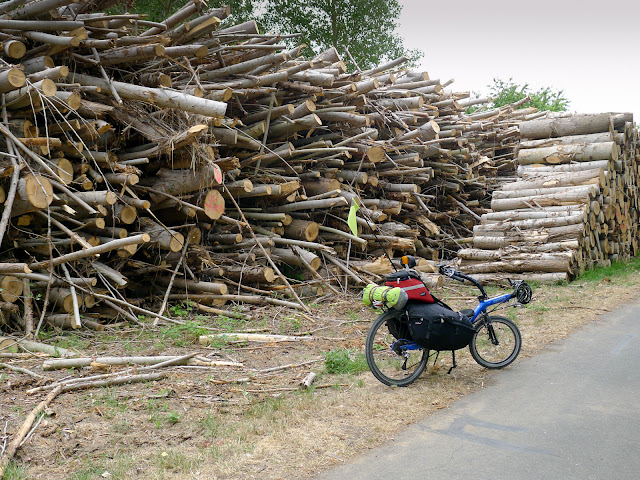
389 297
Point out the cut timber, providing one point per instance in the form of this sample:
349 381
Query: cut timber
550 142
162 97
165 238
569 153
566 198
557 221
6 268
65 321
559 179
250 337
503 278
11 79
216 288
567 167
10 288
544 235
302 230
287 256
179 182
546 264
214 204
34 192
63 299
250 275
564 126
89 252
546 212
55 364
524 251
534 192
14 49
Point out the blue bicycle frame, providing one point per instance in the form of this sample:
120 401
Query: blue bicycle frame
477 312
482 306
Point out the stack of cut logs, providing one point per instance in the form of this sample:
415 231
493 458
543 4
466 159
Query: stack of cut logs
574 205
148 162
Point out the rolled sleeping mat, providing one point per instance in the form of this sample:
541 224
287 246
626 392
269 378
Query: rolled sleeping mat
390 297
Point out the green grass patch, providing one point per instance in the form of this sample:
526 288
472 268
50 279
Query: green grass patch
176 462
15 471
345 361
615 271
182 335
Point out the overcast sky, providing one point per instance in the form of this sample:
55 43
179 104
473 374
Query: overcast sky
589 49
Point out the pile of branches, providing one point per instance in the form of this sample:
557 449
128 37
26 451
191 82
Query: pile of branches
154 162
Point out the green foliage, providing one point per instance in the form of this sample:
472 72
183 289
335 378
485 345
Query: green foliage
181 335
181 309
362 29
506 92
345 361
365 29
617 270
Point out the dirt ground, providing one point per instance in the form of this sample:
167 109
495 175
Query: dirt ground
254 421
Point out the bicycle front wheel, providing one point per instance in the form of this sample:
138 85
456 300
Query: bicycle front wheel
496 343
395 362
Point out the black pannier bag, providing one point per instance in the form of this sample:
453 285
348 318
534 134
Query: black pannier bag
399 328
436 327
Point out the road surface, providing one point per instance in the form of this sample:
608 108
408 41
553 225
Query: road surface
571 412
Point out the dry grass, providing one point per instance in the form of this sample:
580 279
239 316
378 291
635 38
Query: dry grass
190 427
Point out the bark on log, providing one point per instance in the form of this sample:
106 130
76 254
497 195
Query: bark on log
569 153
568 198
579 124
161 97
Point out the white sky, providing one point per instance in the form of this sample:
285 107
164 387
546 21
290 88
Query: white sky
590 49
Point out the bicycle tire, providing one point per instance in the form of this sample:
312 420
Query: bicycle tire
386 365
484 348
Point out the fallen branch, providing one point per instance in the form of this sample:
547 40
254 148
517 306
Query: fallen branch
24 429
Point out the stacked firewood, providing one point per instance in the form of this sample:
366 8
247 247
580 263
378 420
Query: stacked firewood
180 160
574 205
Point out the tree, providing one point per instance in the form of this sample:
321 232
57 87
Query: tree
505 92
361 30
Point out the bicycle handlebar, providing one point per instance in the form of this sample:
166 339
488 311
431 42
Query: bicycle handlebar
521 289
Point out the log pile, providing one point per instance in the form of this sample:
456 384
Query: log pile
575 203
151 162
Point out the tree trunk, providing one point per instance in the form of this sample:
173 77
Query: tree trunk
161 97
577 124
569 153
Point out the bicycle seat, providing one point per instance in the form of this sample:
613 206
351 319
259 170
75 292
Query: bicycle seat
467 312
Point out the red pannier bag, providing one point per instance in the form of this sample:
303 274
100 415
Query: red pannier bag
411 283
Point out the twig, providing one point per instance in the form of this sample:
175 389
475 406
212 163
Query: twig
24 429
173 277
298 252
21 370
13 186
264 252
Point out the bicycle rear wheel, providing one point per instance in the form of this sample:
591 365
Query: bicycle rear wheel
496 343
395 362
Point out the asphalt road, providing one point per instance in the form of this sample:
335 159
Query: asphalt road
571 412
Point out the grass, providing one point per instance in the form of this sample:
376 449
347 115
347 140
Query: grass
15 471
618 270
177 462
182 335
290 324
345 361
109 402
